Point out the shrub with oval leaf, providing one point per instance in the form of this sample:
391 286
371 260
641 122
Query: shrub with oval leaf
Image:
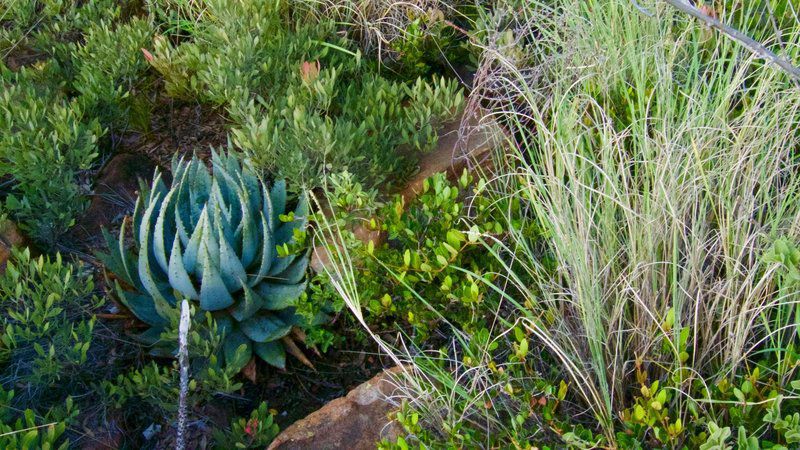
215 239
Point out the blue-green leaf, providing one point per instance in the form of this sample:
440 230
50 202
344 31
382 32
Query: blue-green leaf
141 306
267 255
163 231
214 295
193 247
294 269
237 350
280 296
248 305
271 352
278 196
178 276
265 328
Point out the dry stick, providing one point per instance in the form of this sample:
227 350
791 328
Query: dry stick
183 361
750 43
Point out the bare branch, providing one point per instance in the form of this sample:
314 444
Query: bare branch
754 46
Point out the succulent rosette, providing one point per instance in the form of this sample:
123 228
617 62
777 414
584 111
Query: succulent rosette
213 238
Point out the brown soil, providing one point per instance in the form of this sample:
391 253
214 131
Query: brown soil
176 129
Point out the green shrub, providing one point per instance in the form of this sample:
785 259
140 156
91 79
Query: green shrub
46 328
158 385
225 242
25 431
46 141
432 268
302 100
41 26
256 432
47 331
108 64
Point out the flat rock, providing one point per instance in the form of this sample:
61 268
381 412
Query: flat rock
356 421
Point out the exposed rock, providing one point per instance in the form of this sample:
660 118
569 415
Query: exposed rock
356 421
114 194
10 237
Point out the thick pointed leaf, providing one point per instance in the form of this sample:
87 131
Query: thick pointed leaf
154 283
248 305
231 268
199 183
190 255
183 212
152 336
118 259
301 210
280 296
237 349
294 269
138 211
141 306
214 296
278 196
268 211
223 322
178 276
164 231
267 255
272 353
250 234
265 328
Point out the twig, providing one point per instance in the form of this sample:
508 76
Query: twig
183 361
751 44
36 427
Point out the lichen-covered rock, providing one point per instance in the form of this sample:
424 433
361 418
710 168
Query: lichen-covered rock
356 421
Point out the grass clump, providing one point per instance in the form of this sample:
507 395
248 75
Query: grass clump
655 167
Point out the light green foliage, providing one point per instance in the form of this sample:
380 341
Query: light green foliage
26 431
41 25
256 432
46 140
45 333
300 96
52 112
108 65
433 267
223 241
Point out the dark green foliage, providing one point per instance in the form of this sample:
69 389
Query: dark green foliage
24 430
46 141
434 268
158 385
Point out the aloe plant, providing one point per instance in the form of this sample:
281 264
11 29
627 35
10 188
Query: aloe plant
214 239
